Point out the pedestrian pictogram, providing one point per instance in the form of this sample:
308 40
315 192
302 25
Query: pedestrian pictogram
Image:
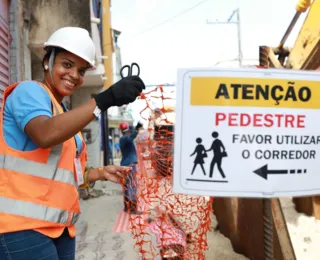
247 133
201 153
219 152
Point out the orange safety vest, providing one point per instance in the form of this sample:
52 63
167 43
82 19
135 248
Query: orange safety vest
38 189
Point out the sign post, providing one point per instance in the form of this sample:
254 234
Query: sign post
247 133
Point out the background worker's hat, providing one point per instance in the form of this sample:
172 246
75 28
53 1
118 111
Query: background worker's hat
124 127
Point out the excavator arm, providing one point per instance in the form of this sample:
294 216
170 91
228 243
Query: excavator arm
305 54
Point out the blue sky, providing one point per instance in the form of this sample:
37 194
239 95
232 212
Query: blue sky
188 41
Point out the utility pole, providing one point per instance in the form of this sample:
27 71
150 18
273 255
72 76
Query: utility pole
107 43
107 48
237 22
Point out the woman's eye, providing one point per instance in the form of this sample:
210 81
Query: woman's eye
67 65
82 72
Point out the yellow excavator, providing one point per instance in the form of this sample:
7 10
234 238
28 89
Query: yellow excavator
257 227
305 53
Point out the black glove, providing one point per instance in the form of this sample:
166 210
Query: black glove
121 93
138 126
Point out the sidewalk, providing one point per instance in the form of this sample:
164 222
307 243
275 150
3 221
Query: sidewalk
97 241
95 237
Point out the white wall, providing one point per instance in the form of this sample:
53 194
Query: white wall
81 96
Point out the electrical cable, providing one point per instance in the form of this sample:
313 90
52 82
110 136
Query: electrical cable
170 19
164 22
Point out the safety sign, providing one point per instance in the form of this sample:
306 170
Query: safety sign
247 133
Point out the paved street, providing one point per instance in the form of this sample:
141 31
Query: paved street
97 241
95 237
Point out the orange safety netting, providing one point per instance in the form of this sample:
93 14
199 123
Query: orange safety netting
168 225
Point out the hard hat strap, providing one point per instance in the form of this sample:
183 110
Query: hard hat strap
51 61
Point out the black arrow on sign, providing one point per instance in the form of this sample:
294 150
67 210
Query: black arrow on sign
264 172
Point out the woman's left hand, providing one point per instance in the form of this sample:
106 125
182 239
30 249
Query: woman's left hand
114 173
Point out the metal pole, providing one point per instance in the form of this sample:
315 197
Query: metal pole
107 42
289 29
267 211
240 57
104 117
239 37
282 231
268 230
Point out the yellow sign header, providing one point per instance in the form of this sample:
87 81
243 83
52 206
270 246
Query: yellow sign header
254 92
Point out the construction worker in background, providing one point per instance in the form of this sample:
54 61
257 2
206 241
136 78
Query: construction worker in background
117 147
129 158
110 150
42 154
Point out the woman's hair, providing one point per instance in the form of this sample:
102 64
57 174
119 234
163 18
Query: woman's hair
49 51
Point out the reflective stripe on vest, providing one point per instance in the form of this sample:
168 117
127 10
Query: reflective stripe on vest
49 171
36 211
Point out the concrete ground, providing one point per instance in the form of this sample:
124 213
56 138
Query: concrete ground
97 241
95 237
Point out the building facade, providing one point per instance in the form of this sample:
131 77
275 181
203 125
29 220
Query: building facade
5 39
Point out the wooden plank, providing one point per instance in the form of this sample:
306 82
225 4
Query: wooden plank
274 62
241 220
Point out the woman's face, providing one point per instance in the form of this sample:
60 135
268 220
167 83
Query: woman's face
67 72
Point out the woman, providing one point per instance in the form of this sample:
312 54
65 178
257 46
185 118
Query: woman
42 154
201 153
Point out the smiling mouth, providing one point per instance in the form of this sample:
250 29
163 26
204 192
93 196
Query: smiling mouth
69 83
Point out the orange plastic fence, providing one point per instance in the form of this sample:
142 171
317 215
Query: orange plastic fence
168 225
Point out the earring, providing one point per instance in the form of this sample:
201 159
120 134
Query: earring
46 67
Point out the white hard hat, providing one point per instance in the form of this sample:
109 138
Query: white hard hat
75 40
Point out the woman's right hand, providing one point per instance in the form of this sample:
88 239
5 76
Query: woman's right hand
121 93
114 173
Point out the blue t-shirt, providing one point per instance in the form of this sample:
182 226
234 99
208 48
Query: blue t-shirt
27 101
128 149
